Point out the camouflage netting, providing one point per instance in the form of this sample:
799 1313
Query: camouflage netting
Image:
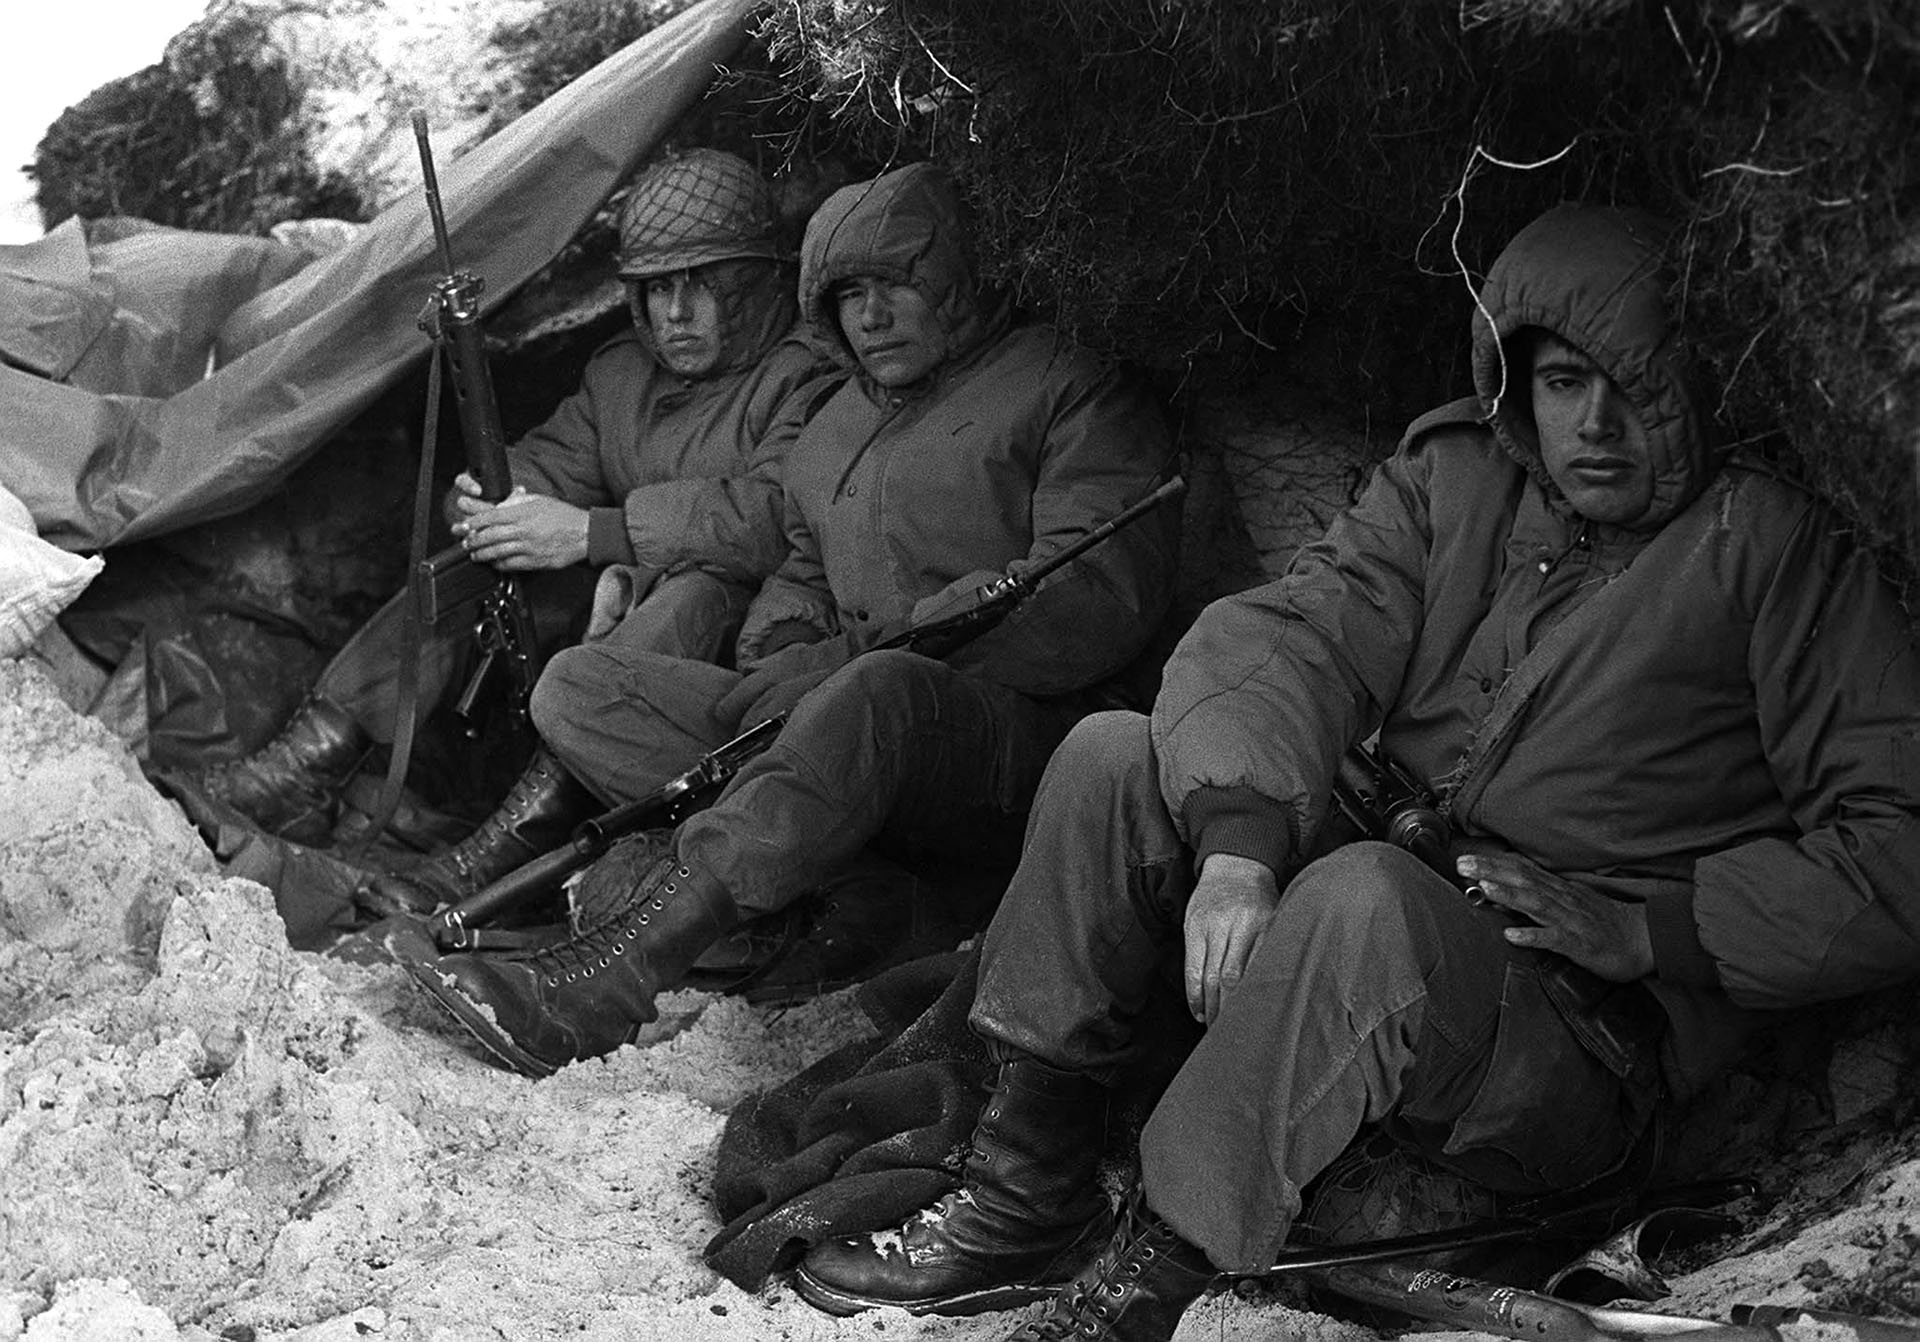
1292 193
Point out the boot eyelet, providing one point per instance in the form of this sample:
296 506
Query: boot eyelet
619 948
643 919
671 887
570 976
587 973
658 904
552 982
603 962
684 872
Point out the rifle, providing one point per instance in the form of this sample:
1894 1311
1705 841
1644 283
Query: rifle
1619 1023
1393 805
1469 1304
688 791
452 579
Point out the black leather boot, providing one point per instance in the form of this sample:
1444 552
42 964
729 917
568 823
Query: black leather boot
291 785
537 1011
1135 1291
1029 1212
538 815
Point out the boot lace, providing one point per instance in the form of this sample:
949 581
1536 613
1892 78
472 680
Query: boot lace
1087 1306
479 847
611 936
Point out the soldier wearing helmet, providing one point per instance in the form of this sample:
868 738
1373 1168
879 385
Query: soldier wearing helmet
658 477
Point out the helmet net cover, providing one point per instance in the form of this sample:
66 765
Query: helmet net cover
705 205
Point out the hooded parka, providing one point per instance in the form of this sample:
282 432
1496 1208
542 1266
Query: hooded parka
902 501
1713 707
680 472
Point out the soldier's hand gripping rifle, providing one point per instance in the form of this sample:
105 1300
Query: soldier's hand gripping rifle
451 579
687 792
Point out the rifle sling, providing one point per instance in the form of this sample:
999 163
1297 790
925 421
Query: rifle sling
406 708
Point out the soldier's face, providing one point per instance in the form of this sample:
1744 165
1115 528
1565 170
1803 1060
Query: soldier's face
1591 441
683 312
891 328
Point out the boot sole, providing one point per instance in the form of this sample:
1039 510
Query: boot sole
1007 1295
475 1019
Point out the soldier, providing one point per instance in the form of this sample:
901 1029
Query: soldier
1674 716
955 447
660 473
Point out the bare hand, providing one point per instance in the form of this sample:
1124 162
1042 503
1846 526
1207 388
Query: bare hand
1604 935
524 531
1232 902
463 499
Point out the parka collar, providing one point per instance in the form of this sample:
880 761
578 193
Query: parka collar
1593 277
756 312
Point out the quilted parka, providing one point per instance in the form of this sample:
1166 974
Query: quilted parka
902 502
1713 708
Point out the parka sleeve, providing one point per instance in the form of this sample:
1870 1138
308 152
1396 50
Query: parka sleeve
795 604
1836 677
561 457
1106 442
729 526
1272 685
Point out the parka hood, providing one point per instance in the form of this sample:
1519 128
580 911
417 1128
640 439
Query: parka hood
1593 276
756 311
904 227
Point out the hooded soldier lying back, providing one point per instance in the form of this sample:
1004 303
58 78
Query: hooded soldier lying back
1674 718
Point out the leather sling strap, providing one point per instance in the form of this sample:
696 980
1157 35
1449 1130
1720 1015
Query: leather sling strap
406 708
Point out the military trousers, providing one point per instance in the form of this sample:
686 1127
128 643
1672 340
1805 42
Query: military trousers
693 615
893 749
1377 994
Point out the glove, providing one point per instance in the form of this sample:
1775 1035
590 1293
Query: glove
962 593
784 671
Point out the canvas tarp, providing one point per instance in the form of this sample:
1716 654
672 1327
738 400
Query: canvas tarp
120 432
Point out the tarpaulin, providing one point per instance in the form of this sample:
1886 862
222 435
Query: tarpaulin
135 442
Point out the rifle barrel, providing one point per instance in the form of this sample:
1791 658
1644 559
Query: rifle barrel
1173 488
1467 1303
419 118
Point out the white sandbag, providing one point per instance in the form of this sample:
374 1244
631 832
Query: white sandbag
37 580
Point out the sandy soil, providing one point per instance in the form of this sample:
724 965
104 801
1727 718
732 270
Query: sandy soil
205 1134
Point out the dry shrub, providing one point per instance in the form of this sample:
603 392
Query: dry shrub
209 138
1297 192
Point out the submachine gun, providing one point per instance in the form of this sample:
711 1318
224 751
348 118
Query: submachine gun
451 580
1619 1023
687 792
